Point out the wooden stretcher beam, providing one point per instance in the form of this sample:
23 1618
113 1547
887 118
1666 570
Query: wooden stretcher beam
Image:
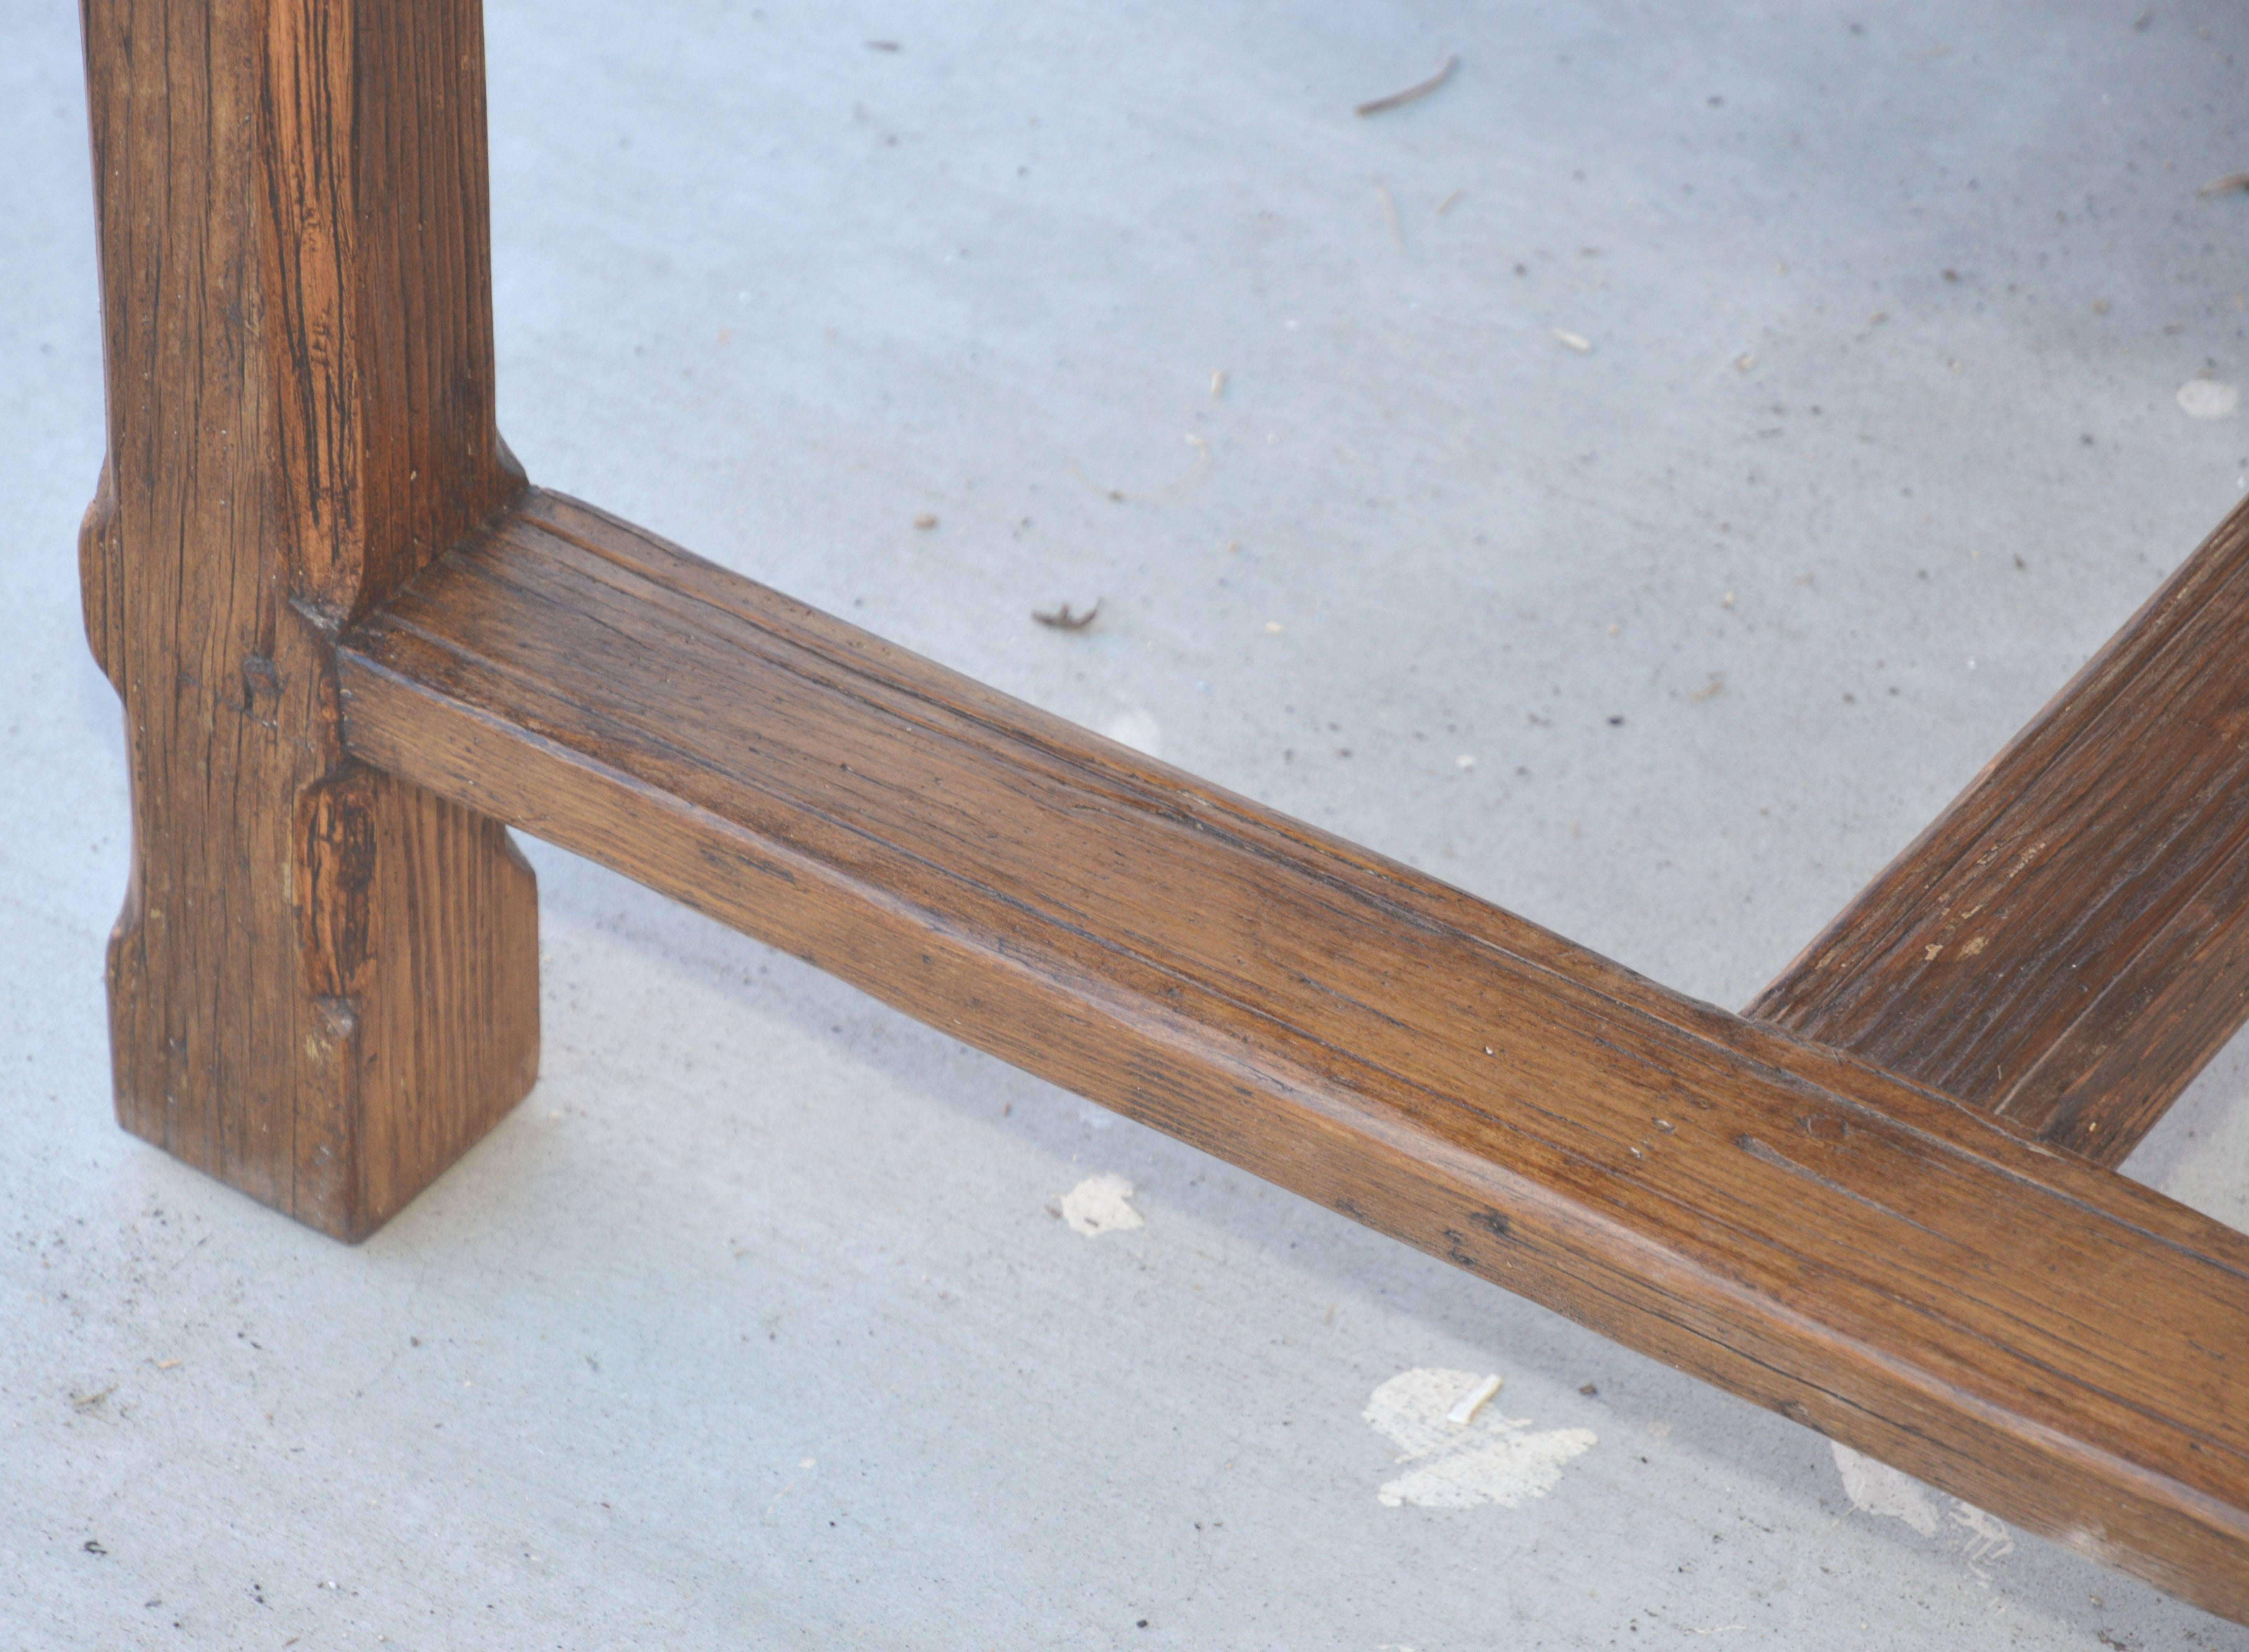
2029 1331
2067 944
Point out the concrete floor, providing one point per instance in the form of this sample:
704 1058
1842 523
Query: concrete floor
752 1327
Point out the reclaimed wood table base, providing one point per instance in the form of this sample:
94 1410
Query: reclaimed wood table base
353 647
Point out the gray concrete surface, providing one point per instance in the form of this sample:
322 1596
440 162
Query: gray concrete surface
751 1327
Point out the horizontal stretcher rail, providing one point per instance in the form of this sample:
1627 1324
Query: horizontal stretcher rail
1871 1258
2067 944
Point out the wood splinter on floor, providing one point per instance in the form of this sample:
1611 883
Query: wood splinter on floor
1412 94
2232 183
1473 1402
1064 620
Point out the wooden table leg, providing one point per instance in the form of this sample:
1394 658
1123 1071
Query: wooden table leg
324 984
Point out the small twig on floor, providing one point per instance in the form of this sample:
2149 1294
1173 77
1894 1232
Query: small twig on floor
2232 183
1412 94
1390 213
1063 620
1449 202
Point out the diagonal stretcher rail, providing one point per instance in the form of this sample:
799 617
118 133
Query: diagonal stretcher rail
2068 943
1866 1255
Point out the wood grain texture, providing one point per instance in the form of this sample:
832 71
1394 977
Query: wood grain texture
2068 943
323 985
1863 1254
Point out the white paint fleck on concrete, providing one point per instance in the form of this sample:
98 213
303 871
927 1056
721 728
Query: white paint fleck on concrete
1100 1204
1493 1459
2209 398
1138 728
1987 1541
1876 1488
1464 1410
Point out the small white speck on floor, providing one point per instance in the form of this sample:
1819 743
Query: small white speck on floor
2209 398
1493 1459
1876 1488
1473 1402
1100 1204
